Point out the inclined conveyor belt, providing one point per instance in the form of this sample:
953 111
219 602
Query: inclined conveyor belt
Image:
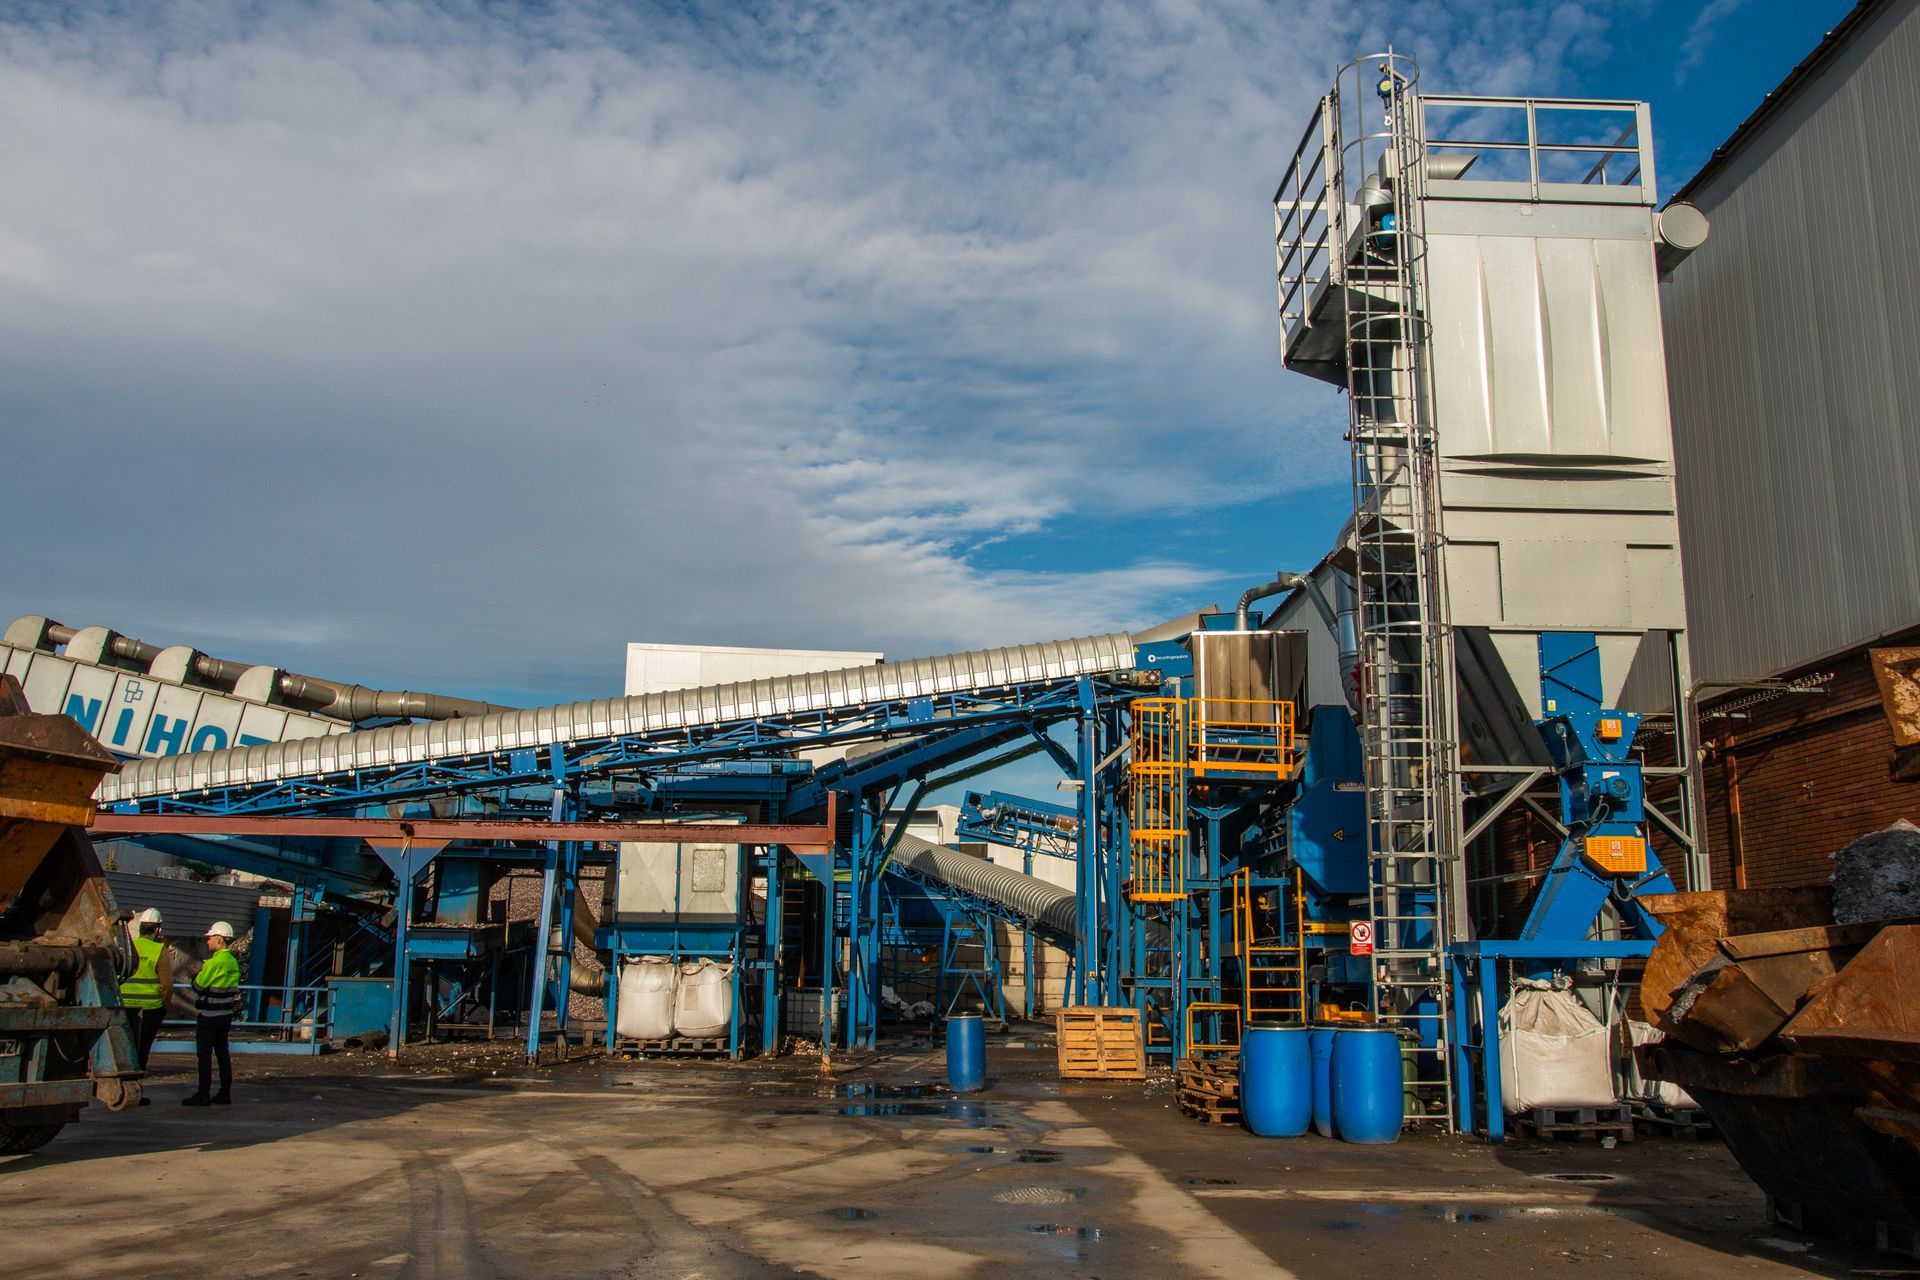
663 714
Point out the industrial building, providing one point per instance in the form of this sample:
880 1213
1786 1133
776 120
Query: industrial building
1617 565
1788 339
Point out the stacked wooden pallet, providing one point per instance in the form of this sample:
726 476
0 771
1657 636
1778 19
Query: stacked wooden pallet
1208 1088
1100 1043
676 1047
1577 1122
1680 1122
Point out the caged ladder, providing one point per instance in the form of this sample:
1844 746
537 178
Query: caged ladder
1348 219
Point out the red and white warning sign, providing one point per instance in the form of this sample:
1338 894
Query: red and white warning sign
1360 938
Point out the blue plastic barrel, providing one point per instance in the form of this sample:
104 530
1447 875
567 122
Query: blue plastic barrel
1369 1100
1276 1080
966 1053
1320 1044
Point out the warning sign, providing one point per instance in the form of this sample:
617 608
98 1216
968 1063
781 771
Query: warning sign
1360 938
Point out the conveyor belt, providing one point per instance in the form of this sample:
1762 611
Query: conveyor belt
663 714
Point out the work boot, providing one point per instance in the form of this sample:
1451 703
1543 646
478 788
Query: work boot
223 1099
195 1100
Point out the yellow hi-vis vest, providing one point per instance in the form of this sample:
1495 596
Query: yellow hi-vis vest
142 990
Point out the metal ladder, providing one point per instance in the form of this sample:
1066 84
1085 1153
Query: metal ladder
1157 801
1406 698
1271 942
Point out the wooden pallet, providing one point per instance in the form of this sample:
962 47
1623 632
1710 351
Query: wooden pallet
1678 1122
1211 1112
1577 1122
1100 1043
676 1047
1208 1089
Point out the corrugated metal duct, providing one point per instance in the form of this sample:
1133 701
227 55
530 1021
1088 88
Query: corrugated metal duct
1047 905
654 713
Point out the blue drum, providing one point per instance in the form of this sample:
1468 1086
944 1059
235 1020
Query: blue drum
1276 1080
966 1053
1320 1044
1369 1093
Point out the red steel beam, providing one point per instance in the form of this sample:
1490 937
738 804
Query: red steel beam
802 838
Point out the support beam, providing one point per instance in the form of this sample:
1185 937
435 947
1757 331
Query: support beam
800 837
1501 805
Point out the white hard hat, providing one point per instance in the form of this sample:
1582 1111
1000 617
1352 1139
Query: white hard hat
220 929
150 916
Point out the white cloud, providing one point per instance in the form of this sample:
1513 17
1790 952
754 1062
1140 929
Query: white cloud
422 345
1701 35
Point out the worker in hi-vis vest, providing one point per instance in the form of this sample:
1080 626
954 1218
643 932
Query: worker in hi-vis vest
216 990
146 993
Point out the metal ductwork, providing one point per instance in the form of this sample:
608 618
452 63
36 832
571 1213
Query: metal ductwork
1282 583
1679 230
1048 905
662 714
1051 908
351 702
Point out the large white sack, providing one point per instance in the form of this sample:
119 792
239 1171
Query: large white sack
646 999
1553 1053
703 1004
1663 1092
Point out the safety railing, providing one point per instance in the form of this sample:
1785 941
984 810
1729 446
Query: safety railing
1304 224
269 1012
1218 1019
1558 148
1249 737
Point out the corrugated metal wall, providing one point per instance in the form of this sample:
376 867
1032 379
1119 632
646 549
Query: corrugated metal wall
187 907
1793 351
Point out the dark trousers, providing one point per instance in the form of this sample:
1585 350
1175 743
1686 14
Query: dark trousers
210 1042
145 1026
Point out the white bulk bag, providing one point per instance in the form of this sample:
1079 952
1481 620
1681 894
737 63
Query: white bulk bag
1553 1053
646 999
1664 1092
703 1004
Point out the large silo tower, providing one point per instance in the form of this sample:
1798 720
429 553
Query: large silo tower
1480 275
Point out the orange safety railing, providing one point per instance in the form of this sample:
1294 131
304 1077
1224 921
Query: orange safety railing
1223 1017
1157 780
1240 737
1272 946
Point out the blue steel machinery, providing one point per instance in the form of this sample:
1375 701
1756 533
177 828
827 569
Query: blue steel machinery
1479 276
555 787
1499 627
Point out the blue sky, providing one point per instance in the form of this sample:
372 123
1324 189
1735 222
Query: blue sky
452 346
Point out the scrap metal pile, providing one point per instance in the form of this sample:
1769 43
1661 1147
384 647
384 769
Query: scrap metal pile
1798 1030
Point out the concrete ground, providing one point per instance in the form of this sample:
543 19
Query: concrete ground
459 1164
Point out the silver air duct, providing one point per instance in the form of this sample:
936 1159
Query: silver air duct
331 698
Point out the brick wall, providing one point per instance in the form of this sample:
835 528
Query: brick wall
1796 777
